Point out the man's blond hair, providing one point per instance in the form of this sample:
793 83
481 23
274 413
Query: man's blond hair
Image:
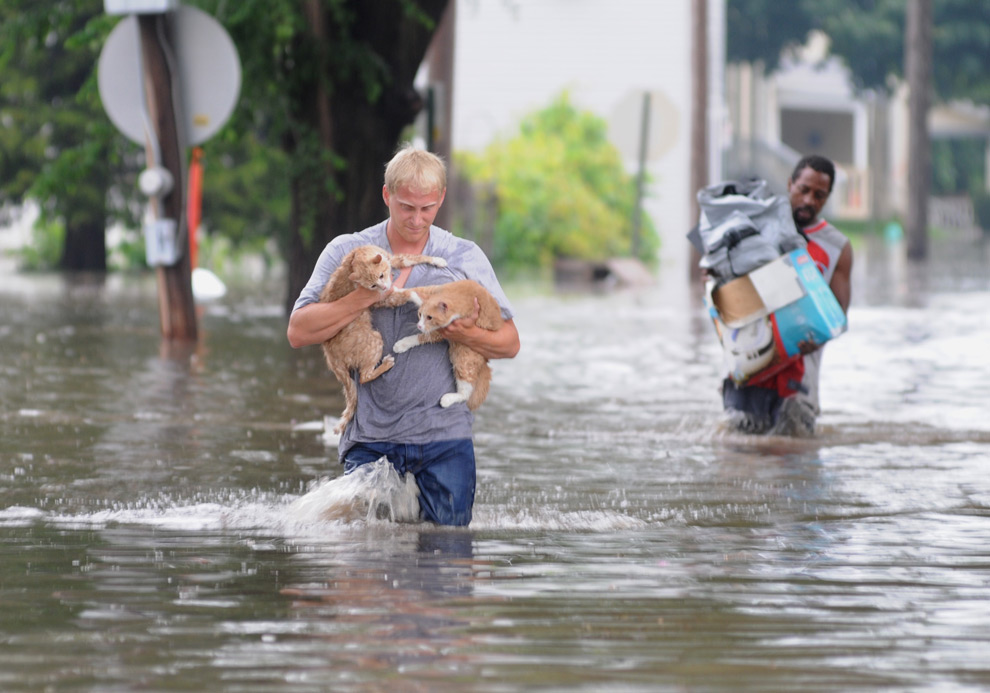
416 169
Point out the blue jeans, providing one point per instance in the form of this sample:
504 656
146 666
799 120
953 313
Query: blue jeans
444 471
761 410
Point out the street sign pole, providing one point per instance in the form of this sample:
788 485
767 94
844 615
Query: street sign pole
176 307
169 78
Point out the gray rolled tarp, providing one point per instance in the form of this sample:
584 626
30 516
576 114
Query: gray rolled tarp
741 227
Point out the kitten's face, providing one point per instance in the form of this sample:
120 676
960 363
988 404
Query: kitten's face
372 273
433 315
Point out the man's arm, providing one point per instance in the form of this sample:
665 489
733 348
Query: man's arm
841 283
841 286
315 323
502 343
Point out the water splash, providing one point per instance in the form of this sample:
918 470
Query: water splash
372 491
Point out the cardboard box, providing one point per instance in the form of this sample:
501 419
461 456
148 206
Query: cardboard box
763 318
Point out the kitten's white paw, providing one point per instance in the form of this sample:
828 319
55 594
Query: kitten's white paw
389 361
451 398
415 298
405 344
439 262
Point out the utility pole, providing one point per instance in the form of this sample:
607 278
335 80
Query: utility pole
176 308
699 113
440 104
141 70
918 69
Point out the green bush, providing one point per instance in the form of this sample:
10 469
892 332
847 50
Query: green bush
561 191
44 252
126 251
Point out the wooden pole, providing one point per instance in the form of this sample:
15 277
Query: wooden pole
176 308
699 115
440 60
918 69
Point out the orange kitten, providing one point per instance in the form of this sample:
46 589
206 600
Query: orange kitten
358 345
438 307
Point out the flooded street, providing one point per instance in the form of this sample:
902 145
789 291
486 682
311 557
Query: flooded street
622 539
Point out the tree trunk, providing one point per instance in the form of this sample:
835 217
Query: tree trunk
918 69
85 247
357 133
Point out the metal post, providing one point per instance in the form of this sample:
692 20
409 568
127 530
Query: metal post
644 143
699 114
918 70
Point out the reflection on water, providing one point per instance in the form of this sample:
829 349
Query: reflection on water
163 511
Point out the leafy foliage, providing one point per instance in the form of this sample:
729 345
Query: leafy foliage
761 30
277 61
326 90
869 36
561 190
56 146
245 190
328 86
962 49
45 250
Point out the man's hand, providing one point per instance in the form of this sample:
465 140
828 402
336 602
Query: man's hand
372 296
502 343
459 329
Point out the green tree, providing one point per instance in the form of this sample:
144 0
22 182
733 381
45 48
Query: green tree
949 48
330 83
869 36
245 190
760 31
56 146
327 90
561 190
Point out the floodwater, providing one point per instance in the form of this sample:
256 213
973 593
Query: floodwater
151 536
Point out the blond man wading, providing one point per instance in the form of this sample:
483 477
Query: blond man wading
398 414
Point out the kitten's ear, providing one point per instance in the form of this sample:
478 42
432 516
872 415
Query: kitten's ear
377 259
354 276
443 306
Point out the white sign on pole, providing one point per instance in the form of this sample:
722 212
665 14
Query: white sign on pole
139 6
209 75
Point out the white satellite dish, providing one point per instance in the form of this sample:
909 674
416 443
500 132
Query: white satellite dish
209 75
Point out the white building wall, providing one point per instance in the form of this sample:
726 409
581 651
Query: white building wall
513 57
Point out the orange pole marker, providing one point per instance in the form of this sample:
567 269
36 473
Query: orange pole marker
194 206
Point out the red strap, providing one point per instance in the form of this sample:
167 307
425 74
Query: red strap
785 381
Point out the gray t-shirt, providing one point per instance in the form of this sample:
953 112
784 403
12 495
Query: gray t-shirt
403 405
